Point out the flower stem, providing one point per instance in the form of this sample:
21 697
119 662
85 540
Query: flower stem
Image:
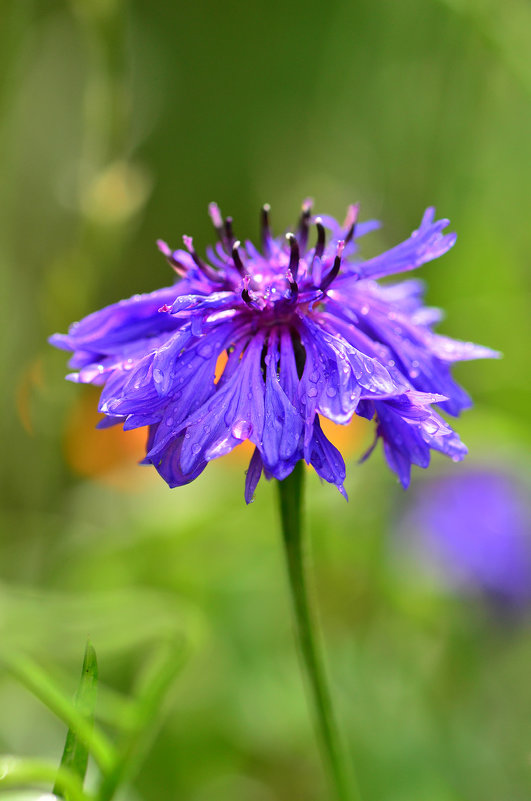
290 497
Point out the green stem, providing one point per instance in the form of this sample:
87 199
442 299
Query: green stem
290 496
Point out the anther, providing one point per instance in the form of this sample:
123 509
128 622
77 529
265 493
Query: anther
293 286
217 219
351 221
245 291
294 255
164 248
265 228
238 263
304 223
321 239
335 267
211 274
229 235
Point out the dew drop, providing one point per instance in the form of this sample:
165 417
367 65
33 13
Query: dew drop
205 351
331 392
312 392
241 429
158 375
430 427
196 448
169 421
314 377
365 309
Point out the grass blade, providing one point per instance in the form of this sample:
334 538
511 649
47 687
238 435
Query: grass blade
76 754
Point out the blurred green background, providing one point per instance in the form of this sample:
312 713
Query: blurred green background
119 122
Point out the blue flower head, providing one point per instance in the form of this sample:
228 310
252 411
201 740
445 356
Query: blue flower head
306 331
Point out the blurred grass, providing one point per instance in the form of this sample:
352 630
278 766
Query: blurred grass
119 122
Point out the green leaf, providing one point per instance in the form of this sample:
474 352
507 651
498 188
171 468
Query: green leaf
75 754
31 675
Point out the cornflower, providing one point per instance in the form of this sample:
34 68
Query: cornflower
306 332
259 345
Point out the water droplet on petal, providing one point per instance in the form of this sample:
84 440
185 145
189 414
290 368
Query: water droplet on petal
241 429
205 351
158 375
312 392
169 421
196 448
331 392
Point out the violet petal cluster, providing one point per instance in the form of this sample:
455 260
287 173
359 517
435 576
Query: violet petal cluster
259 344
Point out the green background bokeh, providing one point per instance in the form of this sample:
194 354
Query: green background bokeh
119 122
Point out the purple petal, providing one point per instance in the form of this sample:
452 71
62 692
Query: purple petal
132 319
233 414
426 243
253 475
283 423
326 459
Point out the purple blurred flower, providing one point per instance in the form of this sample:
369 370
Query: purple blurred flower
307 332
474 530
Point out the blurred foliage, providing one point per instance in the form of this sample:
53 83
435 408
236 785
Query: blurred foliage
119 122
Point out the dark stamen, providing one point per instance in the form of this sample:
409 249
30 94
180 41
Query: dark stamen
265 228
229 235
245 291
294 255
238 263
293 286
325 283
304 224
179 268
350 221
210 273
321 239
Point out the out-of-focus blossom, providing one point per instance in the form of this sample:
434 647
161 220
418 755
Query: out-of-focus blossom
308 333
473 530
